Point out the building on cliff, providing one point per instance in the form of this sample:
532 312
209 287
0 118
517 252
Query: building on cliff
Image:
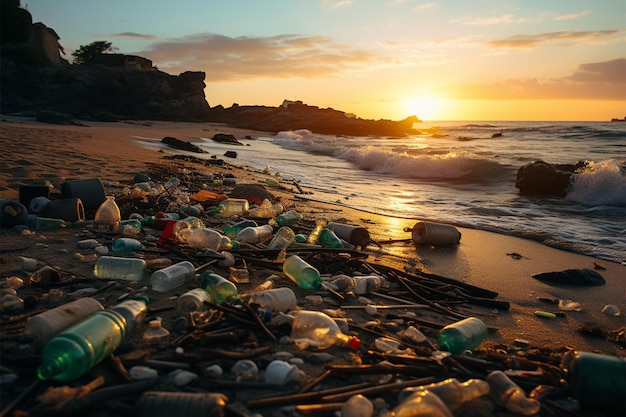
131 62
46 40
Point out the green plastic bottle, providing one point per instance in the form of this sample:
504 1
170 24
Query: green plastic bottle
328 238
302 273
219 288
73 352
463 335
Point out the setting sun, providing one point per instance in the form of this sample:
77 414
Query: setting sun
425 108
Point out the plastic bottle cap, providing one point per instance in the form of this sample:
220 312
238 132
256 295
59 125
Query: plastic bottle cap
354 343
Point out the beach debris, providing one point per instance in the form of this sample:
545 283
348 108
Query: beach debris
580 277
515 255
611 310
434 234
598 265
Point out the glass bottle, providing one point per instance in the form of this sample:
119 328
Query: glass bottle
156 335
231 230
43 326
220 289
74 351
596 379
173 276
317 330
108 217
255 234
328 238
510 395
125 244
453 393
193 300
422 403
463 335
282 238
300 272
111 267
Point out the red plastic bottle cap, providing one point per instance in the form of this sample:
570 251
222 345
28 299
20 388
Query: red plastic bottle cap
354 343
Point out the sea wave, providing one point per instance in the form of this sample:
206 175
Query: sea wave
387 160
600 184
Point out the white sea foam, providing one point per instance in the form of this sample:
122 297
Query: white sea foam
600 184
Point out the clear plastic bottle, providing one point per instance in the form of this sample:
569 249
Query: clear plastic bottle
125 245
300 272
43 326
74 351
422 403
265 210
282 238
255 234
317 330
173 276
220 289
111 267
231 230
314 236
596 380
281 299
328 238
463 335
156 335
202 238
452 392
193 300
107 217
508 394
233 206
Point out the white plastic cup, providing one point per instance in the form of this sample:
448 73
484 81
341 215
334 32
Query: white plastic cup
435 234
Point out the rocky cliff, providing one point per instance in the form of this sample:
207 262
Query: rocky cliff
103 93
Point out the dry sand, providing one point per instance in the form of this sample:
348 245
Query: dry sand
33 153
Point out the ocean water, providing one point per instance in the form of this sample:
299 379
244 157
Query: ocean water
457 173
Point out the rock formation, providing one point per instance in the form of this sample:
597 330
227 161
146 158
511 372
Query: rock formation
542 179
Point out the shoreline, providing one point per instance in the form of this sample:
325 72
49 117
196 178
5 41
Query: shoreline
36 152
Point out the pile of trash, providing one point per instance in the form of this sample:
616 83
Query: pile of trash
190 294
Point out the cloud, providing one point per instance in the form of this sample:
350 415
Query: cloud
539 39
423 7
131 35
335 4
599 80
495 20
226 58
572 16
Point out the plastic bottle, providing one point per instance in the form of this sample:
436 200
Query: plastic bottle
107 217
220 289
463 335
133 310
314 236
366 284
255 234
596 380
233 206
111 267
317 330
422 403
231 230
265 210
160 219
328 238
125 244
46 224
168 404
510 395
282 238
275 299
74 351
357 406
300 272
173 276
43 326
156 335
201 238
452 392
193 300
130 228
288 218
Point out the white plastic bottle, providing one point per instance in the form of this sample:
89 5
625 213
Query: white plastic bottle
276 300
173 276
255 234
319 331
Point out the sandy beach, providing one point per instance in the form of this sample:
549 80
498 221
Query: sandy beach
33 153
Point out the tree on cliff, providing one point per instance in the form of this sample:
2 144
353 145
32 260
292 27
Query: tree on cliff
88 54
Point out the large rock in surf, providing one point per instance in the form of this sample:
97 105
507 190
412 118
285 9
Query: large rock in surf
542 179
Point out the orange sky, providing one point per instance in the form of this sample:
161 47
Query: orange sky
445 60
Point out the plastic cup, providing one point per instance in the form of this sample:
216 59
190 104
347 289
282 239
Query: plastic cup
279 372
